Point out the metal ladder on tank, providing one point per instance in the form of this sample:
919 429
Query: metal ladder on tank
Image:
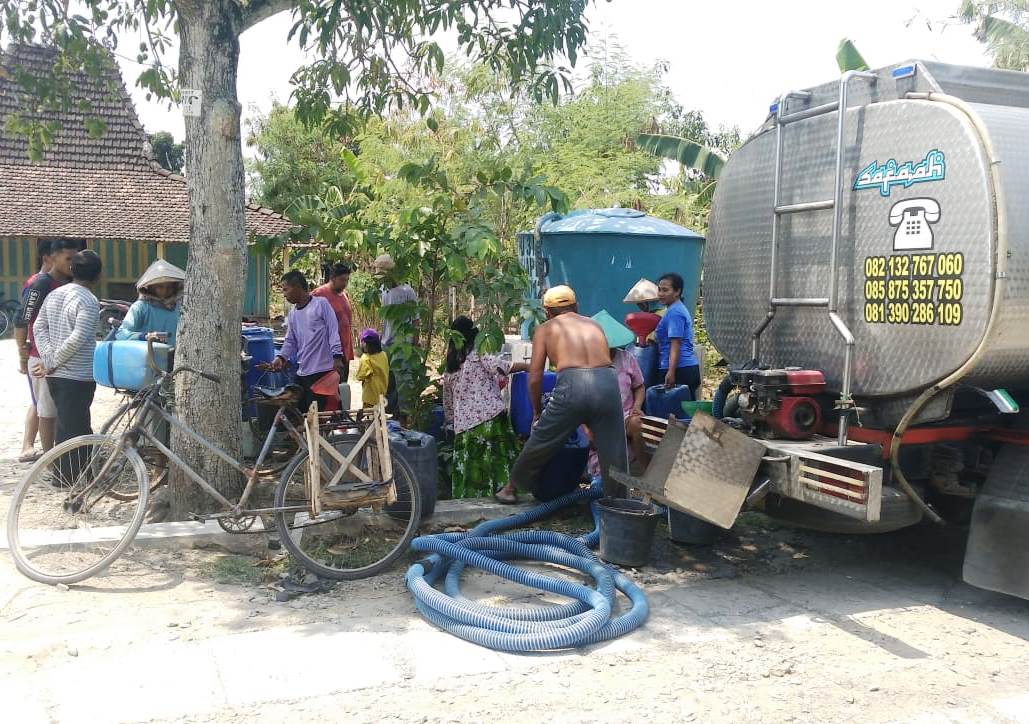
845 403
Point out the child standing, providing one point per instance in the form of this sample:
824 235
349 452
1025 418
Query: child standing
373 368
484 442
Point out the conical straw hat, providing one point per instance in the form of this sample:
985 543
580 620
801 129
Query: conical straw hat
618 335
642 291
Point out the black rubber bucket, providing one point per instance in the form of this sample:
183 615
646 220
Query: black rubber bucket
685 528
626 530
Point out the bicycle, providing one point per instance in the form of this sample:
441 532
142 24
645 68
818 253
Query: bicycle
112 312
348 515
121 419
9 309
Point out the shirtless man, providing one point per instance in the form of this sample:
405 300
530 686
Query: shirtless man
586 394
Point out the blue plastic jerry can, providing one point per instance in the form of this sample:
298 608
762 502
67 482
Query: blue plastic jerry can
663 401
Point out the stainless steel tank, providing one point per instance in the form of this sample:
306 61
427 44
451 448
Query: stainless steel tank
934 177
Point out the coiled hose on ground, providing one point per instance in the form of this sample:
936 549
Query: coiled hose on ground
587 619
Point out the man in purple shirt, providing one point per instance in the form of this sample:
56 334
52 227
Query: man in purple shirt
312 340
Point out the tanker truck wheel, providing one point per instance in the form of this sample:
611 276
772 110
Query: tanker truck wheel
897 512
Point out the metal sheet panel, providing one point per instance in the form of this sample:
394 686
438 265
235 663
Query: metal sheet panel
979 85
1006 362
890 358
712 471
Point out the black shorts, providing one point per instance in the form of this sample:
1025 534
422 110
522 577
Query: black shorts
306 382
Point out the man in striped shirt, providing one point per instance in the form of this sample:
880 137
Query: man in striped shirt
65 334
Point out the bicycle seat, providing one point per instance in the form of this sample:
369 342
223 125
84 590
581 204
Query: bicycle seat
280 395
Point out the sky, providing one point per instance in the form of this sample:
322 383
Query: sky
728 59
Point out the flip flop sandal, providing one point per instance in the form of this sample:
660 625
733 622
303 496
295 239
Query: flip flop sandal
31 458
513 500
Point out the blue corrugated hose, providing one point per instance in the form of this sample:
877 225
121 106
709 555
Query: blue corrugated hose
587 619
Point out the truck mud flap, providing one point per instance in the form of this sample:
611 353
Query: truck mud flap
997 556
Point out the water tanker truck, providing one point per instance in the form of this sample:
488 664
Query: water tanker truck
866 277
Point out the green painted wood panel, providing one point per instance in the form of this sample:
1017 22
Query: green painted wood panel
124 262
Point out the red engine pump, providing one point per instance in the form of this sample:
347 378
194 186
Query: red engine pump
776 403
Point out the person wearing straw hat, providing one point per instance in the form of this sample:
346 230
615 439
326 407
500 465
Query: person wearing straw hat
631 387
643 294
586 393
392 292
156 313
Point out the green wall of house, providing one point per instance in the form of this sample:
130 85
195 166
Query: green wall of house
124 262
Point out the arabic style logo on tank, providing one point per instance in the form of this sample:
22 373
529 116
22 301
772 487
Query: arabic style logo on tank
887 175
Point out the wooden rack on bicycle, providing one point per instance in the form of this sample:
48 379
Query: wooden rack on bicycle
373 488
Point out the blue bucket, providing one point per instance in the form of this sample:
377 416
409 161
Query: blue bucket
259 344
564 471
521 409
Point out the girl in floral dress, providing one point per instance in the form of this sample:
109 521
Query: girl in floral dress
484 442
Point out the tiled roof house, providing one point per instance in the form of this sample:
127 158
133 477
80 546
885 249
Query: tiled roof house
108 192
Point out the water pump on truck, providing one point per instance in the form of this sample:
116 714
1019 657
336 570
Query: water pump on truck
865 278
778 403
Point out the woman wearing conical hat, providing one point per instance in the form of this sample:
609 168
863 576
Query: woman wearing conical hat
156 312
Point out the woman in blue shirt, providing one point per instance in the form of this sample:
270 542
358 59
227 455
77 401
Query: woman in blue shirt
677 363
157 309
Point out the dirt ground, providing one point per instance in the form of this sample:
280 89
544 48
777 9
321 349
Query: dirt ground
770 624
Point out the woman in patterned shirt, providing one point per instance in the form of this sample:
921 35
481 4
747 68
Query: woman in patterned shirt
484 442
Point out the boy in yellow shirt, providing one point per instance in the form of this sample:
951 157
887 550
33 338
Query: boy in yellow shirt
373 368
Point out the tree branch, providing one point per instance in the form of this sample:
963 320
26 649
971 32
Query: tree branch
257 10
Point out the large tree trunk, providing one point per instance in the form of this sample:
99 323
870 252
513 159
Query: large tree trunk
209 329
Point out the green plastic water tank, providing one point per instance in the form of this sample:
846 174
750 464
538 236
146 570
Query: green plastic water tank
601 253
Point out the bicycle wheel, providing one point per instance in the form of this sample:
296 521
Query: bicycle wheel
5 323
64 525
156 462
351 544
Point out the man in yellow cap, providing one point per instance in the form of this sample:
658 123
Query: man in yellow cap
586 393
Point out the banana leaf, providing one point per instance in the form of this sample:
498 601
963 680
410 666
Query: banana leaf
848 57
689 153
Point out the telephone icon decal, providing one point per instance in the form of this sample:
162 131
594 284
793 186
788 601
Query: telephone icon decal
914 219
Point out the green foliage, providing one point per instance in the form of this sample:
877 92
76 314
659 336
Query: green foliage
294 160
689 153
1003 25
680 122
588 140
442 239
370 58
848 57
377 56
168 153
586 146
